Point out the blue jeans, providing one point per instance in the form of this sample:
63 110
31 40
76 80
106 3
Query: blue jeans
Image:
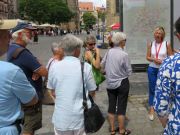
152 77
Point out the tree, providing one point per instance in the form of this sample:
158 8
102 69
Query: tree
101 15
89 20
45 11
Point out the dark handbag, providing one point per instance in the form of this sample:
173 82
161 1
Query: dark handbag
93 117
48 98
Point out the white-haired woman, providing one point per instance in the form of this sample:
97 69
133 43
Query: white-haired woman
57 56
118 69
157 51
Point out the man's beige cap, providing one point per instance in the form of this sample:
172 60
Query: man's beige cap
6 24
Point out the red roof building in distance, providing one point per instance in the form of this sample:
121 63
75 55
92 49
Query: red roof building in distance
100 8
86 6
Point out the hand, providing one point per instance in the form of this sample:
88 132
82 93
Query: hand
35 76
53 93
163 121
158 61
88 55
97 51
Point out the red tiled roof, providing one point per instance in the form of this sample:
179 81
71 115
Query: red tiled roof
88 6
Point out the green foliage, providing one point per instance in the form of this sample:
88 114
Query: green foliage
89 20
101 15
45 11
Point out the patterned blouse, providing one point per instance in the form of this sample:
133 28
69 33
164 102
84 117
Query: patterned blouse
167 94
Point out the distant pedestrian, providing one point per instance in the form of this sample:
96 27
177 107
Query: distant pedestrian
15 89
65 79
19 55
167 92
35 36
118 68
157 51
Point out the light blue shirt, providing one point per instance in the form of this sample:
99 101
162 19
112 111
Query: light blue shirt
167 94
14 90
66 79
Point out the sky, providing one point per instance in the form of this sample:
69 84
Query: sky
96 2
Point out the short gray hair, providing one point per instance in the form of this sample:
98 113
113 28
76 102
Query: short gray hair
90 38
118 37
70 43
55 47
15 35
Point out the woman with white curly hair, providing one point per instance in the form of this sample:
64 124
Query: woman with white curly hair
118 68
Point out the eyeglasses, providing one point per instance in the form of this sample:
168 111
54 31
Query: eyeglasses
92 44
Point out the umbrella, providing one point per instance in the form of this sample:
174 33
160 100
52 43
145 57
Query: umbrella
115 26
45 25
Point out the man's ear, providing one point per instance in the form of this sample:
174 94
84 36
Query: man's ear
20 34
76 52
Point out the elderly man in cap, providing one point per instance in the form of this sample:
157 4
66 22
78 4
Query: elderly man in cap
14 88
19 55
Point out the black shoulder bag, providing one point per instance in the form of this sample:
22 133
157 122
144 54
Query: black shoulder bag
93 118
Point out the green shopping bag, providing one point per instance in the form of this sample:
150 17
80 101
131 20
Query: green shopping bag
98 76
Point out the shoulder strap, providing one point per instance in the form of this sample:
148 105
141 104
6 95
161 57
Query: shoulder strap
17 52
84 93
50 63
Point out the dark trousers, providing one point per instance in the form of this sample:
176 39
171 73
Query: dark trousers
118 97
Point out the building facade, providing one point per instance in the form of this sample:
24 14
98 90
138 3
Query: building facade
8 9
112 14
74 23
83 8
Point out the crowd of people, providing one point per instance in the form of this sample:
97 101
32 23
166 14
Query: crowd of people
22 76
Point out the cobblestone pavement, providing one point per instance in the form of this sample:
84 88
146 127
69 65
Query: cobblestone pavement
136 112
137 102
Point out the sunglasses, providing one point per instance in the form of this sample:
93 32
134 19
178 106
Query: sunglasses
92 44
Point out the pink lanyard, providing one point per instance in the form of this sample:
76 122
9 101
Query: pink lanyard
157 51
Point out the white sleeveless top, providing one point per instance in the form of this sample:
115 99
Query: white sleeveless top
159 49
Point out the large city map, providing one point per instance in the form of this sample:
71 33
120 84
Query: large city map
140 19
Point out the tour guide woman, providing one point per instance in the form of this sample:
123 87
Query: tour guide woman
157 51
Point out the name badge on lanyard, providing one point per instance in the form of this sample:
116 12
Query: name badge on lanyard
157 50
